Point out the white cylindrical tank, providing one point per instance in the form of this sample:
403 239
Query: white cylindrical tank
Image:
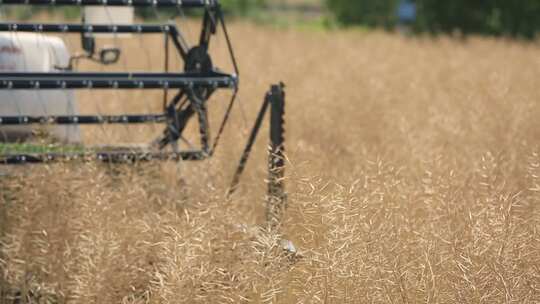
29 52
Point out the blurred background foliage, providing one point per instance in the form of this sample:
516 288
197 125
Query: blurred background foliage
494 17
242 7
231 7
519 18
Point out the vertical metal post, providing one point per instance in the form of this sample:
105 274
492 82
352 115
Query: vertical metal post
277 198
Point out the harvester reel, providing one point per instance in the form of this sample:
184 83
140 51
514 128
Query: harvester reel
190 91
195 85
198 61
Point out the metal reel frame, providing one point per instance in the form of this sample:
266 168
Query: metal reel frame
195 85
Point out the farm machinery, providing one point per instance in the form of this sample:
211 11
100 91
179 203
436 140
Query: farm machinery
186 93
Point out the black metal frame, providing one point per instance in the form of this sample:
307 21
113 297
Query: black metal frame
170 29
134 3
121 156
275 100
77 80
194 87
276 200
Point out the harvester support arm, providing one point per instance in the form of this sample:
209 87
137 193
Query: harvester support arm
275 99
248 148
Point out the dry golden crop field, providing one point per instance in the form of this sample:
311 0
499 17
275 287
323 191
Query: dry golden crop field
413 176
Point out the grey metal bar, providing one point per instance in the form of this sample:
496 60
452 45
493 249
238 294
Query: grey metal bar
135 3
82 119
84 28
77 80
105 156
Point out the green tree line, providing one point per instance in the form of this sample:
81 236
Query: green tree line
241 7
517 18
230 7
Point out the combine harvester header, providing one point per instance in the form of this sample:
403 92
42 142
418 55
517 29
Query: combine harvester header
191 89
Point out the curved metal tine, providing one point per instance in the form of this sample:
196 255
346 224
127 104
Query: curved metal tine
174 143
40 40
25 67
118 44
11 91
149 66
73 108
5 138
188 143
242 108
236 97
166 68
202 112
208 27
70 110
178 99
41 37
99 110
228 40
224 122
172 109
124 67
183 41
108 133
69 106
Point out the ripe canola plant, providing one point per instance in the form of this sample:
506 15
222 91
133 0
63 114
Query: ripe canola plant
413 176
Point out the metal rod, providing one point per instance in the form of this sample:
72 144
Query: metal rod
82 119
85 28
114 80
277 197
135 3
170 29
229 43
224 122
179 42
109 156
249 147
